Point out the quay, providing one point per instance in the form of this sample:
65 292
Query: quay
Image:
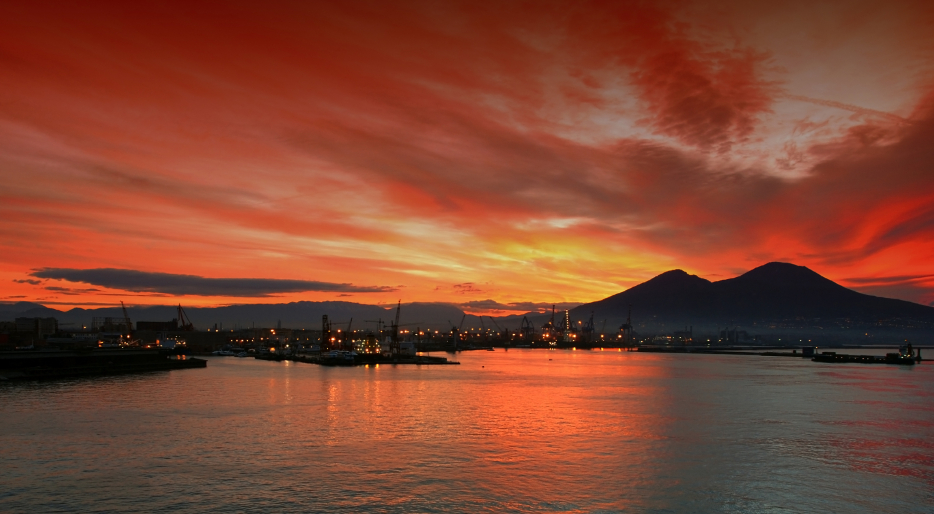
54 364
889 358
716 351
905 355
358 359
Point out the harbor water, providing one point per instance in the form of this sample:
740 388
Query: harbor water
506 431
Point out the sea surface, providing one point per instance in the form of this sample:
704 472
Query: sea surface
506 431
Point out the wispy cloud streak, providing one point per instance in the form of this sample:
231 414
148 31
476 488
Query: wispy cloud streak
534 151
141 281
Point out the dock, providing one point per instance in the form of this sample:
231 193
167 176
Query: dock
890 358
54 364
360 359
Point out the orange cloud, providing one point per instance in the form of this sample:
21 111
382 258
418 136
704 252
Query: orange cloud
551 153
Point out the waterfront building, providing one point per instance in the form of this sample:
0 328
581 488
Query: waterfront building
39 327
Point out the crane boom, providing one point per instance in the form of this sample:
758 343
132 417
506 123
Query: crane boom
395 326
379 324
394 344
183 320
526 329
126 319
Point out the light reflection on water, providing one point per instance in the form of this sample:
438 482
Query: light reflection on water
520 431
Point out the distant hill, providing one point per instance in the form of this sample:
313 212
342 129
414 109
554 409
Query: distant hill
433 316
776 293
11 311
776 298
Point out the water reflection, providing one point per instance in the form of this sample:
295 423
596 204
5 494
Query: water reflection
523 431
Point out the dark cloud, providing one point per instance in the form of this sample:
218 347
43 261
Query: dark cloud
896 279
168 283
70 290
912 287
492 305
696 89
704 102
28 281
908 291
466 288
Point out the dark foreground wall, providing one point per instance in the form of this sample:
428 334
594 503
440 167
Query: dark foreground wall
31 365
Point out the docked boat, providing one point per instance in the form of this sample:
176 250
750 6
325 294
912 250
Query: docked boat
904 356
339 358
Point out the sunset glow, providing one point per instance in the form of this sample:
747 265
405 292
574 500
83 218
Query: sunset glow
507 154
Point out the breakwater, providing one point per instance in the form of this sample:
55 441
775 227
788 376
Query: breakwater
52 364
345 359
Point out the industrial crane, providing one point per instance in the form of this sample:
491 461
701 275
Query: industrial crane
183 321
549 331
379 326
344 335
394 345
626 329
504 334
126 320
527 329
325 334
589 329
456 331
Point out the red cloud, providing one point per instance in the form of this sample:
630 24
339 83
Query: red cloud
394 143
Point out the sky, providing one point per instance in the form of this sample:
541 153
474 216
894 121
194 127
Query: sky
496 155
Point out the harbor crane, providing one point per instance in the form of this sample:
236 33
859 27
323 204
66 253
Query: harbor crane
502 333
184 323
456 331
626 329
325 334
526 329
126 320
589 329
379 326
345 334
395 325
395 343
347 340
549 331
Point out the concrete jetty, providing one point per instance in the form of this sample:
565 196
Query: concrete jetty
52 364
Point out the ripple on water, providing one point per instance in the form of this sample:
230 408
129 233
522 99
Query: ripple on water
503 432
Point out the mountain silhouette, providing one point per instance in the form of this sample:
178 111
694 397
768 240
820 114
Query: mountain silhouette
772 292
780 297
